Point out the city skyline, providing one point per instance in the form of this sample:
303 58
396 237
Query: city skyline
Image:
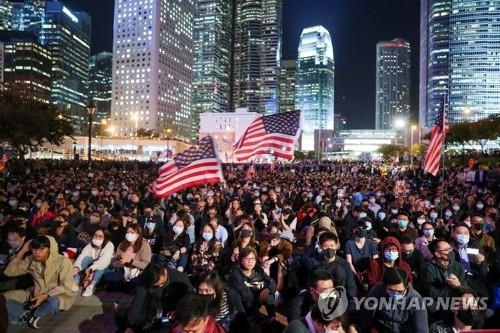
356 40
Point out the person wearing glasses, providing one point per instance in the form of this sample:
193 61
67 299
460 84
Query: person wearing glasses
401 316
252 285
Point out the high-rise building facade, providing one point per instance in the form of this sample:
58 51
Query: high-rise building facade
152 67
474 60
434 52
26 65
212 47
257 54
5 15
100 88
393 83
315 83
28 15
66 34
287 85
461 60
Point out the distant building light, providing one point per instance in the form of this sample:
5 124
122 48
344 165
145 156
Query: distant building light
70 14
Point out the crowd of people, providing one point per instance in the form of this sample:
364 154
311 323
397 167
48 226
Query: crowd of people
256 253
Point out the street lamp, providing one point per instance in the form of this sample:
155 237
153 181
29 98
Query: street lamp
168 130
90 111
400 123
413 128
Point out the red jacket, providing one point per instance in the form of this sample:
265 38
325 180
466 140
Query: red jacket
377 268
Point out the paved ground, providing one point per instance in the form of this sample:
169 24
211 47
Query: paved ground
88 315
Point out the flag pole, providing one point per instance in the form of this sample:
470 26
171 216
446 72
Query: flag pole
443 154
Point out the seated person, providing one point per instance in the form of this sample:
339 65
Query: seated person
157 294
176 243
396 318
16 238
51 273
193 315
94 259
361 250
252 285
206 252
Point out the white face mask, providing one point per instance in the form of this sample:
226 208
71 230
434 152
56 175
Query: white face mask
178 230
131 237
150 226
97 242
338 204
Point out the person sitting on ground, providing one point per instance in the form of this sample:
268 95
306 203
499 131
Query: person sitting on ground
400 317
193 315
51 273
206 252
94 259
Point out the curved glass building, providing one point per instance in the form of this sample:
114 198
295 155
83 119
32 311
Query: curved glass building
315 83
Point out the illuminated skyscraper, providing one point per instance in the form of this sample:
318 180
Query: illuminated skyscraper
66 34
287 85
212 47
27 65
28 15
152 67
460 58
257 53
315 83
392 83
5 15
100 74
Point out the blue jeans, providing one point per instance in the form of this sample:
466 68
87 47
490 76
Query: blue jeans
47 308
86 262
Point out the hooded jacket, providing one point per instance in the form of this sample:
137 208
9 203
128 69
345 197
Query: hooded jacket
53 278
377 268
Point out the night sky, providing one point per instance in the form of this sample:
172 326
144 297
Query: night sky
355 26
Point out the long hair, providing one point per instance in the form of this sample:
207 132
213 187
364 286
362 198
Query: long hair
138 243
171 233
212 242
248 223
107 236
213 279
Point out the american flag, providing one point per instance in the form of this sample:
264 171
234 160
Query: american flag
435 149
195 166
275 134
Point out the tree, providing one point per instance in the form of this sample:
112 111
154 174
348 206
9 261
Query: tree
27 124
417 150
299 155
390 151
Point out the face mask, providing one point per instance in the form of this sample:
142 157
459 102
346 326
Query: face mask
38 204
329 253
131 237
256 193
94 193
429 233
264 189
362 215
310 196
210 193
178 230
278 189
189 197
456 207
246 233
75 194
478 226
437 201
462 239
361 233
448 214
150 226
394 211
433 215
97 242
394 295
372 200
479 206
368 225
381 216
94 219
468 317
207 236
382 200
420 221
402 223
392 256
338 204
12 202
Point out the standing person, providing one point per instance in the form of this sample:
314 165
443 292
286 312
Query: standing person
51 273
422 242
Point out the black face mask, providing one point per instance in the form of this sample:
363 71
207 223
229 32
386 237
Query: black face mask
478 226
245 233
468 317
329 253
361 233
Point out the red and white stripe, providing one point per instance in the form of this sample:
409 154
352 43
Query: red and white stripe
173 179
256 141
